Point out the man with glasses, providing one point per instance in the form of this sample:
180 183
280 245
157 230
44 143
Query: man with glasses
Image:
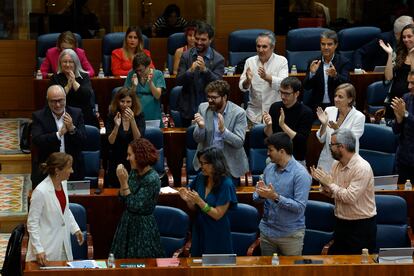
222 124
198 67
291 117
351 185
261 77
55 128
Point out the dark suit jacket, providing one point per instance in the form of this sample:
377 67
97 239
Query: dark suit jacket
45 142
195 82
371 54
317 84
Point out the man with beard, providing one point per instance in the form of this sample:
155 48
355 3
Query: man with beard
326 72
290 116
222 124
198 67
351 184
262 76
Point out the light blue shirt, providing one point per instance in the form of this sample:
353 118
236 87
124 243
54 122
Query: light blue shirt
218 137
286 216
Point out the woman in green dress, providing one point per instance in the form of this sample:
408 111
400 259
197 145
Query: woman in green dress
137 234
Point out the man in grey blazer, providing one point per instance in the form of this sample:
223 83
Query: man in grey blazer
222 124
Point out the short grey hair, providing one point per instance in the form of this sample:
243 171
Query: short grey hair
55 86
401 22
330 34
75 58
269 35
345 137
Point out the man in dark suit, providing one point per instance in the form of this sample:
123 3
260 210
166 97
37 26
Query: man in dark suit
371 54
57 127
198 67
325 73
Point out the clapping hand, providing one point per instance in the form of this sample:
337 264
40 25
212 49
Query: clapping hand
220 122
67 121
262 72
398 105
314 66
331 71
281 117
320 175
249 74
128 114
267 119
266 191
134 79
117 119
122 175
322 116
333 125
199 120
386 47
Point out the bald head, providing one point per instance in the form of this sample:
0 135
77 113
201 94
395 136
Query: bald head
56 99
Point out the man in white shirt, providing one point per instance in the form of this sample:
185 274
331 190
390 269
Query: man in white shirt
262 76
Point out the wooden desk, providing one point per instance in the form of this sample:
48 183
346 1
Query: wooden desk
105 210
246 266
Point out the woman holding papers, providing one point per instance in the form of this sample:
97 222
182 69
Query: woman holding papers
137 234
125 123
50 221
211 194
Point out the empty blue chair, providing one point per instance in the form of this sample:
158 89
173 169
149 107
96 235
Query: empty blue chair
84 251
242 44
111 42
257 154
376 94
302 45
155 136
393 229
174 42
244 223
320 221
351 39
91 156
46 41
173 224
378 145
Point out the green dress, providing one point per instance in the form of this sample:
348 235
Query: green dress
137 234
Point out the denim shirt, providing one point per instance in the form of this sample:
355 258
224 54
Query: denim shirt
287 215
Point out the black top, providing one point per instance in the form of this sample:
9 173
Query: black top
299 118
398 88
82 98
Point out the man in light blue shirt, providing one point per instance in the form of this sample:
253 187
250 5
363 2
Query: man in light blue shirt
284 190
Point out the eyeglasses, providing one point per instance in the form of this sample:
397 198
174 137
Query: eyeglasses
287 94
334 144
58 101
202 163
213 98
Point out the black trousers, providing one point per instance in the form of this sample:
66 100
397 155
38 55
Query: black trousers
405 172
351 236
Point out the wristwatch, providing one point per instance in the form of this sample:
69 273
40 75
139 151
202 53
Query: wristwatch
406 113
73 130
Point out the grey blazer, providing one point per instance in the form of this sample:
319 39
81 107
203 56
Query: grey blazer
236 123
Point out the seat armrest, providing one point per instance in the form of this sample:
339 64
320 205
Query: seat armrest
249 178
326 247
410 235
89 241
253 249
23 252
168 173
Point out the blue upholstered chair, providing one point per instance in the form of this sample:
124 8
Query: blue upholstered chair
188 173
155 136
244 223
174 42
320 221
352 39
393 229
84 251
257 154
302 45
91 156
376 94
173 224
378 145
174 113
111 42
242 44
46 41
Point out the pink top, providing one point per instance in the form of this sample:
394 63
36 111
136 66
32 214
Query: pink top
50 63
120 65
353 189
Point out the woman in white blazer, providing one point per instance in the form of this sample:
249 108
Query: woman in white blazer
50 222
342 115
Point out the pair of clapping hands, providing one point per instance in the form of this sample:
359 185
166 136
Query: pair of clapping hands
67 126
266 191
323 118
128 115
199 120
190 196
146 77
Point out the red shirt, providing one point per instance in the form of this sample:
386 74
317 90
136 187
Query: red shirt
62 199
120 65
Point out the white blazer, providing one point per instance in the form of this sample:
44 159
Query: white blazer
355 121
49 229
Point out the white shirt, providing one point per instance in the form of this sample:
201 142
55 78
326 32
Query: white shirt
262 95
59 124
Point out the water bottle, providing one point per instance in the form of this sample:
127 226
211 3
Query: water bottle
166 73
101 73
230 71
275 259
383 122
39 75
293 70
408 185
111 260
364 256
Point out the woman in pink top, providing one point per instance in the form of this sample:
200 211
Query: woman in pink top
121 62
66 40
